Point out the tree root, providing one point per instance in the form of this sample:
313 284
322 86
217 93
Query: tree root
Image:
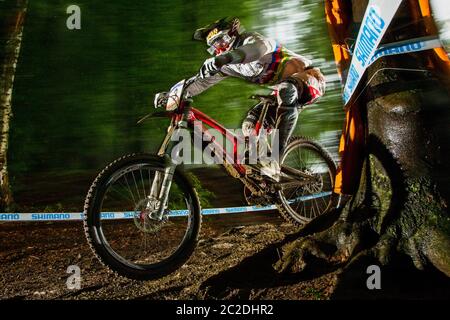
418 237
333 246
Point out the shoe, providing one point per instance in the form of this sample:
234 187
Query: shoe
271 169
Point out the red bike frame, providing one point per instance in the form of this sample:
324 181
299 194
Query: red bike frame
196 115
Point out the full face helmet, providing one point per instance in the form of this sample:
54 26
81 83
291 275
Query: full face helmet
220 36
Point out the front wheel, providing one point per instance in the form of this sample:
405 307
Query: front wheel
301 203
121 224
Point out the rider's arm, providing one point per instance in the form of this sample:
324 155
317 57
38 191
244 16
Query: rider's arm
198 85
253 49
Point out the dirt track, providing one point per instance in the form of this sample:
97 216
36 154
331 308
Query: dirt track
35 256
233 260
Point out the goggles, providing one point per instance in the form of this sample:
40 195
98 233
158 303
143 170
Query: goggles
219 42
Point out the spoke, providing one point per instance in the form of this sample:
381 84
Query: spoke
303 211
318 209
324 202
296 159
142 180
135 184
147 245
316 202
298 203
293 192
300 158
149 182
312 211
137 258
121 194
129 189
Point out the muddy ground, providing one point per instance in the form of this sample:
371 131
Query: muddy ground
233 260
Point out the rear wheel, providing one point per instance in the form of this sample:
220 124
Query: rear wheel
121 224
301 203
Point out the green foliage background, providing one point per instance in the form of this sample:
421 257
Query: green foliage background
79 93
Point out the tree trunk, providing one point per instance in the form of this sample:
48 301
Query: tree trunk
400 211
408 115
12 15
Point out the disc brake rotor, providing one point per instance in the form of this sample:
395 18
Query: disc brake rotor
144 218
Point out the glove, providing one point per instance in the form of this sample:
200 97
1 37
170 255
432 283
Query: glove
208 68
160 99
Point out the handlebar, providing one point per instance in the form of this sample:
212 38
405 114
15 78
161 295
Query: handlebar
264 98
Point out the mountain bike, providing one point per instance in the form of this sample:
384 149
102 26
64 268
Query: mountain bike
157 209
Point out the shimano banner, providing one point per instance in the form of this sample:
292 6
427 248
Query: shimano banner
408 46
378 17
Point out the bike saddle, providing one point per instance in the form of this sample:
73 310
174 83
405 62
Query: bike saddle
264 98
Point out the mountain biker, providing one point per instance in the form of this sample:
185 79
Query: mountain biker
263 61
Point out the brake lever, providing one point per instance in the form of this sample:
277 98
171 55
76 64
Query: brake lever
143 118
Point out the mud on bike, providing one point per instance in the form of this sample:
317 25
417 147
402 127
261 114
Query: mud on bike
158 209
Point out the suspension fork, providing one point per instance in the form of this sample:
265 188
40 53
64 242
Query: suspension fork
163 179
161 188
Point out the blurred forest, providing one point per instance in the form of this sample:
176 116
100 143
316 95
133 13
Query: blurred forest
78 93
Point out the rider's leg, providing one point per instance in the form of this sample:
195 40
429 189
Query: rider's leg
287 114
250 120
300 89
